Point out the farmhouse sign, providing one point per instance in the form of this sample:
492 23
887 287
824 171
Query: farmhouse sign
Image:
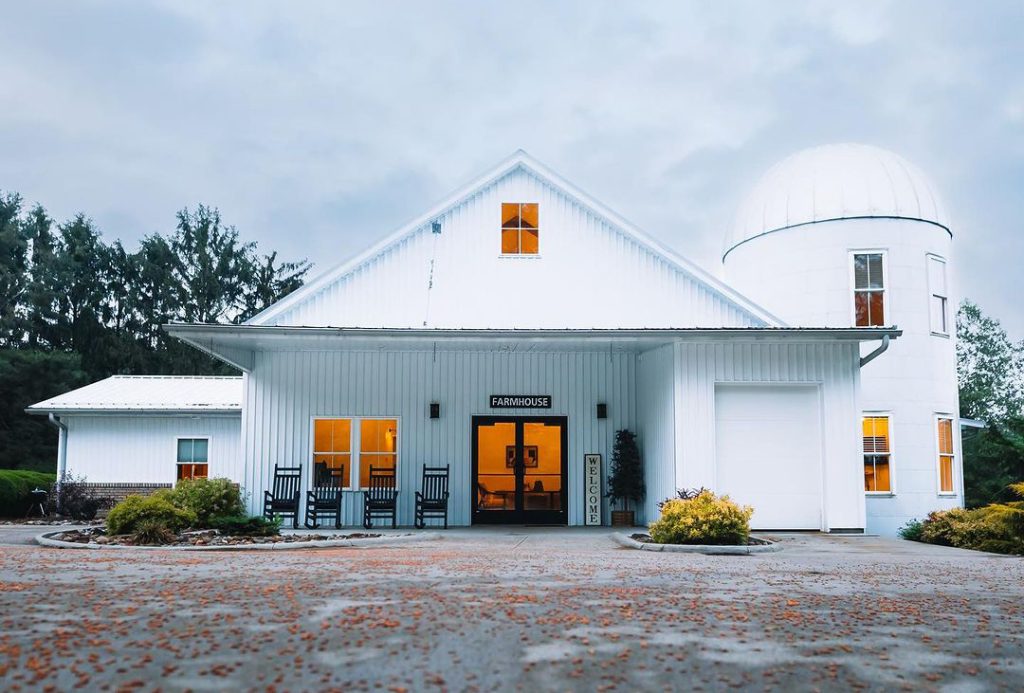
520 401
591 489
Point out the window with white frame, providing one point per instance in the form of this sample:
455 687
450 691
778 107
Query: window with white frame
945 448
877 454
193 458
350 446
868 289
938 299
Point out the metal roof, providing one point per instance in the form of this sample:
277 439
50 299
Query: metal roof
150 393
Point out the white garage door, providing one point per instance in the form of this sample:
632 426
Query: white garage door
768 453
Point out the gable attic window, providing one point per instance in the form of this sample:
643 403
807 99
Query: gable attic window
520 228
868 290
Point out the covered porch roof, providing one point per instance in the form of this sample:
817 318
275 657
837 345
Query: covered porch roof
237 344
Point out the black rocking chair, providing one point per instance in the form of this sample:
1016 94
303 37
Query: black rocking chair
283 500
432 501
380 499
324 500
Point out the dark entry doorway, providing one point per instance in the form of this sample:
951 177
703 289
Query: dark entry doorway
520 466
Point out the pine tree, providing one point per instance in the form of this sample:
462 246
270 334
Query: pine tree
626 482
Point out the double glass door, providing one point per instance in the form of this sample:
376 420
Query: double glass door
519 469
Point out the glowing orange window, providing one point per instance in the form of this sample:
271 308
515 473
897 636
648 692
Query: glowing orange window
193 458
945 455
520 228
877 454
868 290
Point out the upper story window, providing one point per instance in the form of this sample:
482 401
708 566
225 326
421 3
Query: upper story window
938 300
520 228
193 458
868 290
877 455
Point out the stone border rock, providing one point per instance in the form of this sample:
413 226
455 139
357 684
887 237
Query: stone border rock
366 543
631 543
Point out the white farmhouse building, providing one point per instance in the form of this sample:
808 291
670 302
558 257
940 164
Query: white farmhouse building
513 328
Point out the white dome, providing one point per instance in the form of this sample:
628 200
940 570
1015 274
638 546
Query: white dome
836 181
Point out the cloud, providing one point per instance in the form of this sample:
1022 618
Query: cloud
319 127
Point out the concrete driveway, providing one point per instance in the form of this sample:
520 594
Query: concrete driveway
513 609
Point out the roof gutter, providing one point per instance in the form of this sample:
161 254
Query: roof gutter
865 360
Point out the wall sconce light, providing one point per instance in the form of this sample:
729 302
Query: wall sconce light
435 410
602 411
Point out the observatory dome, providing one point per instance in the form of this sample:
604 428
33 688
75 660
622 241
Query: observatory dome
836 181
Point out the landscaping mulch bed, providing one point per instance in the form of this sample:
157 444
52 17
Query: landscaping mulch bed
205 537
49 521
751 541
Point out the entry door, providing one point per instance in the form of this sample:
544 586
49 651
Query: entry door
520 465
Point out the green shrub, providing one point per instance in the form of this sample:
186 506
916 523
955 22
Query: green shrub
208 498
242 526
16 486
704 519
153 533
129 515
912 530
998 528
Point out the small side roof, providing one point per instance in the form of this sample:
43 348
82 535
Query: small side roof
149 393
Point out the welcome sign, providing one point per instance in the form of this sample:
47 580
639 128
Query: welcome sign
591 490
520 401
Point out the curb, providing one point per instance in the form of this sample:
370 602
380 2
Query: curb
708 550
367 543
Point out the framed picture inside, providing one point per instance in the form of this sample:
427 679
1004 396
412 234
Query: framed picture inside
530 456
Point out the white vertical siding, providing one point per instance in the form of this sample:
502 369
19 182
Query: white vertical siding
656 409
143 449
832 366
287 389
589 273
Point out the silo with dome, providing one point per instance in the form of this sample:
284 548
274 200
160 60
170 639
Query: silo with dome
853 235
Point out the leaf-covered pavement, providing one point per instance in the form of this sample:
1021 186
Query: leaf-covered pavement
513 610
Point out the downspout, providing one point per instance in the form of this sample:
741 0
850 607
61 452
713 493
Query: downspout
865 360
62 453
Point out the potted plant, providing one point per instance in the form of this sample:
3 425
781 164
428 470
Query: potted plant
626 481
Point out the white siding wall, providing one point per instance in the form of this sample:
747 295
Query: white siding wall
143 449
657 417
588 274
915 379
699 367
287 389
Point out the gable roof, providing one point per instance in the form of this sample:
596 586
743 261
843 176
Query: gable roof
519 160
149 393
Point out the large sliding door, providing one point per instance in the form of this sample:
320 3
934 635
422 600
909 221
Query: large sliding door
520 468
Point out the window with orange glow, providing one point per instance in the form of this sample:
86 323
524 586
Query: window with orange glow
193 458
945 455
877 455
868 290
520 228
378 446
332 449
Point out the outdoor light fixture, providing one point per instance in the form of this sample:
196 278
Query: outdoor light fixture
435 410
602 410
435 227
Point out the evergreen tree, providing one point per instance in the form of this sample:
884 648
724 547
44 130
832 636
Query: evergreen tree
13 262
626 481
990 367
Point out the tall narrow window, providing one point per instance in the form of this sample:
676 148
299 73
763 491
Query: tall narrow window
378 446
868 290
877 455
193 458
520 228
945 455
939 295
332 450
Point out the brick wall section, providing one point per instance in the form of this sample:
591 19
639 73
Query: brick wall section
115 493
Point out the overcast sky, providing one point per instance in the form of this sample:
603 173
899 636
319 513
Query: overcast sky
317 128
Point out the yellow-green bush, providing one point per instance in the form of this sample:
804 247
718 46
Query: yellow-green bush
704 519
136 511
998 528
208 498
